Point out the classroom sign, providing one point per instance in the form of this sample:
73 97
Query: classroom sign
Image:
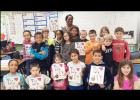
97 74
58 71
80 46
75 74
12 83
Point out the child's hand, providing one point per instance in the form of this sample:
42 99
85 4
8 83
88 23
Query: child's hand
91 84
103 47
52 76
101 85
42 52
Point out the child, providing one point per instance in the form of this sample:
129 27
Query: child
51 46
58 41
13 80
125 79
37 81
59 84
76 71
120 48
74 32
107 51
97 61
67 46
82 40
46 38
27 43
83 35
104 31
90 46
39 52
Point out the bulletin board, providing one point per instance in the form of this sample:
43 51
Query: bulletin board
14 23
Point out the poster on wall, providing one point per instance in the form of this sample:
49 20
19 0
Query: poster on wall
53 21
128 35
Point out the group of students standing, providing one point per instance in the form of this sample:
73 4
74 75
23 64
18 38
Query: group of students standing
43 53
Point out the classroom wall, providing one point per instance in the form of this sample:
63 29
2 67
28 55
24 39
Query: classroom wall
96 19
86 20
138 27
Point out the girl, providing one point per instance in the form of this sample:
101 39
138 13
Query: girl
37 81
59 83
74 32
13 80
126 80
104 31
76 70
67 46
58 41
27 43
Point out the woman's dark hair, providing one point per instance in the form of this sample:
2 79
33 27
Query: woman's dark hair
68 16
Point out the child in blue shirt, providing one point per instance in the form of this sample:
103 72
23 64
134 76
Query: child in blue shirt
39 52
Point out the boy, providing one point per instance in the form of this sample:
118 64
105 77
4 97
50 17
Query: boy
39 51
82 39
97 61
90 46
107 51
51 47
36 80
120 48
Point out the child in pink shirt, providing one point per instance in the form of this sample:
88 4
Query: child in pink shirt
125 79
27 43
59 73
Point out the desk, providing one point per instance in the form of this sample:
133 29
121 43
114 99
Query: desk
7 54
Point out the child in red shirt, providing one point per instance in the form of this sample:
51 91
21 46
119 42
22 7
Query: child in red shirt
120 48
